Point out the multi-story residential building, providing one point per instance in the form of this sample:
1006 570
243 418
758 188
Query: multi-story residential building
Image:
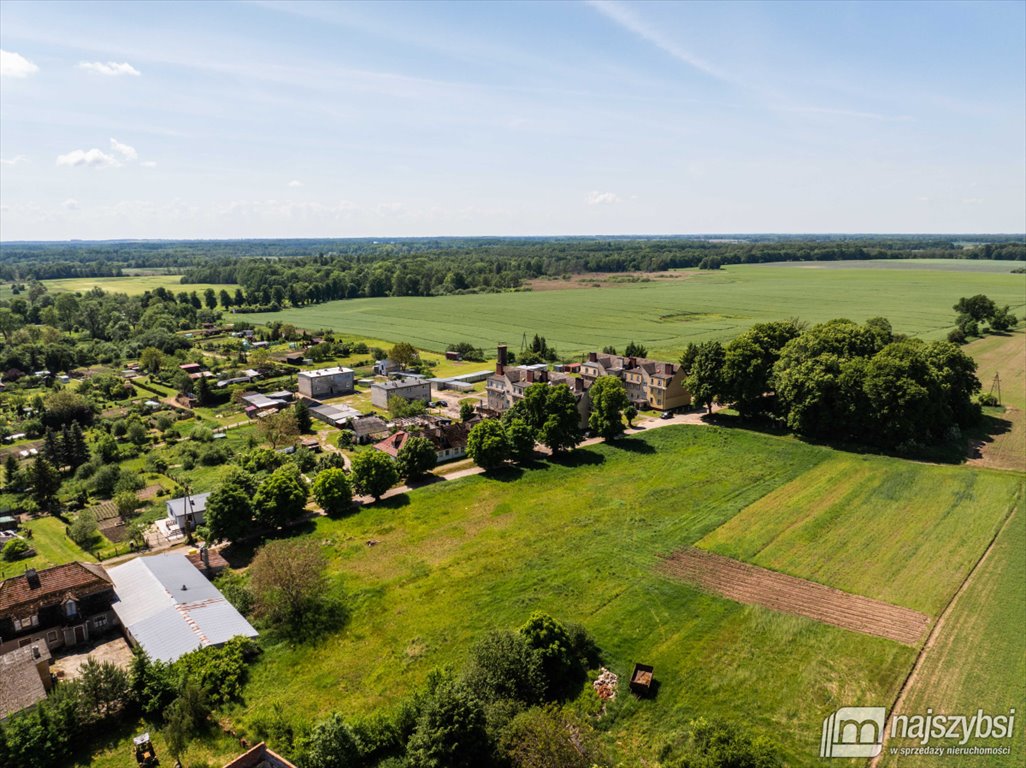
409 388
326 382
649 383
509 383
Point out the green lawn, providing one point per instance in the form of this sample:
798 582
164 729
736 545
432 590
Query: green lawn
52 547
921 529
667 314
581 540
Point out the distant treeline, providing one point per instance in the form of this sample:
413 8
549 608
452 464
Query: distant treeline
298 272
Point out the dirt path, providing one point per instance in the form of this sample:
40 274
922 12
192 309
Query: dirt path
750 584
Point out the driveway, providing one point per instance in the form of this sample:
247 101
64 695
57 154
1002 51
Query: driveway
68 660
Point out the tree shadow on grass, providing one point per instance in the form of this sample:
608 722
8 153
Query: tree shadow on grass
581 457
398 501
633 446
507 473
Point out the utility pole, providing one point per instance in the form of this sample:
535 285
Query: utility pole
996 384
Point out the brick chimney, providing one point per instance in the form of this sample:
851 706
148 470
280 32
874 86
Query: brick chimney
593 357
500 362
530 376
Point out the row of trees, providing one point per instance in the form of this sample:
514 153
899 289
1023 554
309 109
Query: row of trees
841 381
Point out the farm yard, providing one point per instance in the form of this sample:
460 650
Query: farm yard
667 314
583 538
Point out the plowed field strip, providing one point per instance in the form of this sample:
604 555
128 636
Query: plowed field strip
758 586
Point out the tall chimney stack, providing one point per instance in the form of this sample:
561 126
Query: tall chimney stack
500 363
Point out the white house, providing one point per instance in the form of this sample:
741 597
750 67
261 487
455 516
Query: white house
188 511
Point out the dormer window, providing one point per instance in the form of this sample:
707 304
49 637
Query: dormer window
26 623
71 609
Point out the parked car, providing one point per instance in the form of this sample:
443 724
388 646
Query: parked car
666 415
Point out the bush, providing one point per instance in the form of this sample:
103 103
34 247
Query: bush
15 549
83 531
989 400
504 666
221 672
563 653
718 745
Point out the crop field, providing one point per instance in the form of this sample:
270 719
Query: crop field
666 314
978 659
921 530
583 539
133 285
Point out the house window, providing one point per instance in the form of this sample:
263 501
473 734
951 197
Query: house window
70 608
26 623
100 622
51 636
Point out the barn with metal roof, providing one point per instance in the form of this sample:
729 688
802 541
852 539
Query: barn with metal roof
168 608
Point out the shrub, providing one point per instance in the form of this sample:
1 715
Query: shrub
15 549
374 473
504 666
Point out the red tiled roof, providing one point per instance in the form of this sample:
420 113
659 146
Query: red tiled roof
78 579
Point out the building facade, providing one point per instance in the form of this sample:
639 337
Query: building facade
410 389
326 382
61 606
649 383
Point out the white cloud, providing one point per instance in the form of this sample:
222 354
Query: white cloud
16 160
15 65
602 198
148 163
626 18
295 183
91 158
109 68
124 150
70 204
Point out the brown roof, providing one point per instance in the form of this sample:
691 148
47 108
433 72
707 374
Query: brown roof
74 579
260 757
392 443
215 558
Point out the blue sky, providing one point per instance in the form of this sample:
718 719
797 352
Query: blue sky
268 119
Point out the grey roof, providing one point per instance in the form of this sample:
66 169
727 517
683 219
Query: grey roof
261 401
320 372
198 504
169 608
20 683
399 383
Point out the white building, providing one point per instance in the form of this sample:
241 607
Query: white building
168 608
410 389
326 382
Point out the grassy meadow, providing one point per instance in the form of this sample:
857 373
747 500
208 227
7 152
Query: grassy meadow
133 285
581 538
666 314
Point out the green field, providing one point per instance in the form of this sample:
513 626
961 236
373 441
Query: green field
134 285
666 314
978 659
912 525
582 539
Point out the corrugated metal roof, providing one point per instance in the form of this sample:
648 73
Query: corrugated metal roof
169 608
